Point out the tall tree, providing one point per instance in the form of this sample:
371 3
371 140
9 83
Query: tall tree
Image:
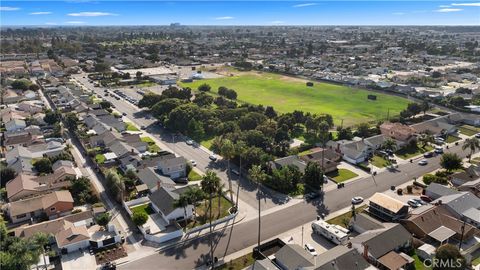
182 202
390 145
258 175
228 152
425 139
450 162
323 136
313 175
210 183
42 239
473 144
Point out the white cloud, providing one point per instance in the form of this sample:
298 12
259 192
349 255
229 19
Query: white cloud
277 22
467 4
445 10
9 8
41 13
305 5
91 14
75 22
444 6
398 13
224 18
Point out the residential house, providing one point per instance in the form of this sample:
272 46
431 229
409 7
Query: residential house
293 257
330 158
398 132
363 222
387 208
112 121
435 224
173 167
436 126
25 185
342 257
105 139
471 186
163 200
293 160
11 140
152 179
31 107
15 125
377 245
52 204
435 191
472 173
464 206
121 149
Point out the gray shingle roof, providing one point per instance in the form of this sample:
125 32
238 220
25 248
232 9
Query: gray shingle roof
382 241
294 256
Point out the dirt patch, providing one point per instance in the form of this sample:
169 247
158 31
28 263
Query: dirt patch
415 190
110 254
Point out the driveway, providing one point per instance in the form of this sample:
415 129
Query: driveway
78 260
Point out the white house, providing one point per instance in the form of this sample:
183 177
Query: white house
163 200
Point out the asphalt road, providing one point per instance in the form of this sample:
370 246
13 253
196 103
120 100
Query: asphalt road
192 254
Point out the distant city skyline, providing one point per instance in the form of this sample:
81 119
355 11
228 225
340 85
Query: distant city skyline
104 13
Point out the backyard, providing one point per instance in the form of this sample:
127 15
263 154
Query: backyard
143 208
287 94
342 175
99 158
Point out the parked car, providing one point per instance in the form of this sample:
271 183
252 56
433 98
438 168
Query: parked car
234 171
311 196
428 155
477 135
311 249
413 203
423 162
420 201
357 200
193 162
213 157
438 150
124 114
181 180
189 142
425 198
143 127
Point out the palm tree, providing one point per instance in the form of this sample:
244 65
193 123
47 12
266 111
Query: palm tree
323 135
220 193
183 201
195 194
210 184
390 144
425 138
228 152
240 151
42 239
473 144
257 175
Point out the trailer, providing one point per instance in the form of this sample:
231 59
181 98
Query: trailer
335 233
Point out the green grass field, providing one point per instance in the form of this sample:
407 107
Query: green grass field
342 175
287 94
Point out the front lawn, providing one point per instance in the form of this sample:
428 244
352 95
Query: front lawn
147 140
379 162
130 127
238 263
143 208
468 130
202 211
419 264
452 139
345 218
152 146
194 176
410 152
99 158
342 175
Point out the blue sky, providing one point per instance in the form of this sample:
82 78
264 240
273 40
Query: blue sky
87 12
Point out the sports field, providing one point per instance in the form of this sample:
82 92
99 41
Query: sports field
287 94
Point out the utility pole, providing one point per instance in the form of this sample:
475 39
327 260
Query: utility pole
302 235
461 237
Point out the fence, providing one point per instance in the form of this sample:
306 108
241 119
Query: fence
218 221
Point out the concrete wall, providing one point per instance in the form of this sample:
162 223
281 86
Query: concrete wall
218 221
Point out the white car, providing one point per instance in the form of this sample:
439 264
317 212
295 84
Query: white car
357 200
193 162
423 162
213 157
311 249
189 142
